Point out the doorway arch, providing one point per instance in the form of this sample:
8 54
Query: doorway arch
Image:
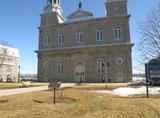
79 71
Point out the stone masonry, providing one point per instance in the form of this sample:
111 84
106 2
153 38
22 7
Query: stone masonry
83 48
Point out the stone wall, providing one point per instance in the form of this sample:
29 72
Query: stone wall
89 56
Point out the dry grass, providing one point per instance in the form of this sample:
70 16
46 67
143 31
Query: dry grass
101 86
78 104
19 85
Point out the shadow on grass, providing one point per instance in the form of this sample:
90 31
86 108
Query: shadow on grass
3 101
63 100
38 101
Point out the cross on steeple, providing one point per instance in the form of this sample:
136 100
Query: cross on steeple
80 5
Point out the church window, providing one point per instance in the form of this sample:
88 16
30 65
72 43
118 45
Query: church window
60 68
60 39
99 35
46 42
50 1
45 63
119 61
117 33
116 11
78 37
100 66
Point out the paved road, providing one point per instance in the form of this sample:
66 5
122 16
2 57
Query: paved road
7 92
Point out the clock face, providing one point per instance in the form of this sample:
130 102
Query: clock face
119 61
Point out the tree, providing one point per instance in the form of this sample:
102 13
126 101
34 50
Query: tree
149 46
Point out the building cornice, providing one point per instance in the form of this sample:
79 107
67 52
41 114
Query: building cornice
111 18
84 47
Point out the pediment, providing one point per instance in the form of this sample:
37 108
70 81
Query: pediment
80 13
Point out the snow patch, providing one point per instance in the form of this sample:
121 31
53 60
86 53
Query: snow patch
125 91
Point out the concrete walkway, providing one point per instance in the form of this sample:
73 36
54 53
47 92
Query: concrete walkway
7 92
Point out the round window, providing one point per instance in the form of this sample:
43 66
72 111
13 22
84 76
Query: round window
45 64
119 61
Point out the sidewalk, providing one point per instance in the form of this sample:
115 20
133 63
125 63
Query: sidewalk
7 92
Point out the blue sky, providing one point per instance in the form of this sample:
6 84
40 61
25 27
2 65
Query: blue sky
19 20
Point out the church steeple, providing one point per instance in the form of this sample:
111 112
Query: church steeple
53 6
52 13
116 7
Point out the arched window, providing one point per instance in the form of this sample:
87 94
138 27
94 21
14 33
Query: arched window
50 2
99 34
78 37
61 39
55 1
117 33
100 66
60 68
46 42
58 1
116 11
120 76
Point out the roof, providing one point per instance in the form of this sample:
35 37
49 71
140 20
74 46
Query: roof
79 15
114 0
9 51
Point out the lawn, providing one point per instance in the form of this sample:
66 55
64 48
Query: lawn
78 102
19 85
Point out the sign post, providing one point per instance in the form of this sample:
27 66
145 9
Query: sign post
54 99
54 86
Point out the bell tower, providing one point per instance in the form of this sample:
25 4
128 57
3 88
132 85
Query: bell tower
53 6
52 13
116 7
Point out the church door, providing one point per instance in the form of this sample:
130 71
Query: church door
80 72
120 76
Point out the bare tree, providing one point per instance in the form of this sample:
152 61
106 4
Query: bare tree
149 46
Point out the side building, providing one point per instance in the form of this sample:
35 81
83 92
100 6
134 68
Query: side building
83 48
9 63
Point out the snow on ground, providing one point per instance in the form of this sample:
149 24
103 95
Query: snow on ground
135 79
126 91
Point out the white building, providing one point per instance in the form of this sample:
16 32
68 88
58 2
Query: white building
9 63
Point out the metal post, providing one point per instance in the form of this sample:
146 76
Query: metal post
54 99
147 76
19 74
108 72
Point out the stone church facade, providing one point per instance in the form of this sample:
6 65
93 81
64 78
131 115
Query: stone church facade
83 48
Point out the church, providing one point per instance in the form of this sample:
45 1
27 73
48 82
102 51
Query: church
82 48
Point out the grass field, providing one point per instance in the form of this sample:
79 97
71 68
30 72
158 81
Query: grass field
78 102
19 85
